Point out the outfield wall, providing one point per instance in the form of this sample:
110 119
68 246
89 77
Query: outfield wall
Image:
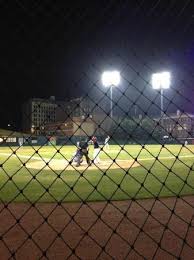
65 140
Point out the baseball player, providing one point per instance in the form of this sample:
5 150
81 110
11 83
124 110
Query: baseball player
83 149
77 157
96 157
106 144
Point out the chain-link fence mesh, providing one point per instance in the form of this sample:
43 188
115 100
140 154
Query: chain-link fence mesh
99 164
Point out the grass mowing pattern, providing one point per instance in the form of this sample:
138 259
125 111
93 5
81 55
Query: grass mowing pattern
164 176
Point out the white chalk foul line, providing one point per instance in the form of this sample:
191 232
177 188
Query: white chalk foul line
158 158
166 158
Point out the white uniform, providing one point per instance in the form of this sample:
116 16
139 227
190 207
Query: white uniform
96 153
106 144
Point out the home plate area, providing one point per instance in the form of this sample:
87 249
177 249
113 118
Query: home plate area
56 164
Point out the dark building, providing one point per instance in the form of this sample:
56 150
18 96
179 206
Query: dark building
36 113
74 126
39 114
77 107
179 125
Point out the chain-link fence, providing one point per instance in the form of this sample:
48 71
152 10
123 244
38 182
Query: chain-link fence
98 162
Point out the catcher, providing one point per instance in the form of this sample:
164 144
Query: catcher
76 157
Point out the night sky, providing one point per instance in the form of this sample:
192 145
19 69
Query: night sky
58 48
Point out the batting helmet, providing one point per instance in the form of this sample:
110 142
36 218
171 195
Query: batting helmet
94 138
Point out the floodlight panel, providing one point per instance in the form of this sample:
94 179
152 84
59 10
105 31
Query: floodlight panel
156 81
165 80
111 78
161 80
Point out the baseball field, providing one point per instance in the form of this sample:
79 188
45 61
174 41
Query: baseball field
43 174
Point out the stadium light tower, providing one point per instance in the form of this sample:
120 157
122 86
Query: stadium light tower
111 79
161 81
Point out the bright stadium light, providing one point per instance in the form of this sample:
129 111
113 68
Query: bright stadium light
111 79
161 81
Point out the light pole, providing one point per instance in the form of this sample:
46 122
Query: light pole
111 79
161 81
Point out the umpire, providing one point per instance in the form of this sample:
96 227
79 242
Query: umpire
83 147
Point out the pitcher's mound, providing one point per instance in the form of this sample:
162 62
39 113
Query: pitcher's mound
55 164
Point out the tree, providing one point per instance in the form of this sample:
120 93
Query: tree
138 130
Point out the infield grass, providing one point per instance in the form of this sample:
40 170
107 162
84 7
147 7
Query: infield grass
163 171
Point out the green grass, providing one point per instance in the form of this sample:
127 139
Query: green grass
166 176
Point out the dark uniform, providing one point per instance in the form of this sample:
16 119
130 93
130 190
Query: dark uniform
83 147
76 157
